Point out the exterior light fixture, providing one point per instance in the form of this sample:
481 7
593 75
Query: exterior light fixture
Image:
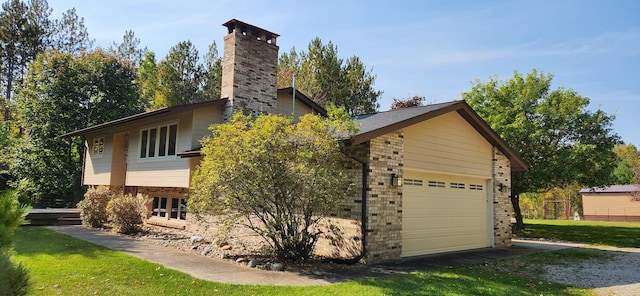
395 180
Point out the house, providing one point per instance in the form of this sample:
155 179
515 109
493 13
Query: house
612 203
431 179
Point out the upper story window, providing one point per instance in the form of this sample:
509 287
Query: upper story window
97 148
158 141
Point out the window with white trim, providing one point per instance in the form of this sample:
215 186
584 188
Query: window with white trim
97 148
158 141
169 208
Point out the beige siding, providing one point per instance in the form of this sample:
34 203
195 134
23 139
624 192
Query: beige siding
284 106
610 204
447 144
97 170
202 119
164 172
443 219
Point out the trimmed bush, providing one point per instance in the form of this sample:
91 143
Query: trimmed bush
14 279
126 213
93 208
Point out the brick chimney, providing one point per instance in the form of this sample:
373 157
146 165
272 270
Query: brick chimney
249 69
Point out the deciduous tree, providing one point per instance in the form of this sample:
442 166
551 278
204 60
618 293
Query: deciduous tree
62 93
554 132
628 164
414 101
277 177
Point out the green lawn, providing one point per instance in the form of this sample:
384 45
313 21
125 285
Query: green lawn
617 234
62 265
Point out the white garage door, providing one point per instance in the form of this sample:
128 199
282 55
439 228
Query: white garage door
443 213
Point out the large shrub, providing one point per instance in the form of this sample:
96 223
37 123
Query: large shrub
14 279
284 175
93 208
126 213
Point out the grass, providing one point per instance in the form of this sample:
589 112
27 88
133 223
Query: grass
62 265
617 234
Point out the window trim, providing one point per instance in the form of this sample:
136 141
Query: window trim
155 132
157 210
100 146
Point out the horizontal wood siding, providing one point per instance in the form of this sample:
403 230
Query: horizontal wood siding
283 107
447 143
202 119
165 172
97 170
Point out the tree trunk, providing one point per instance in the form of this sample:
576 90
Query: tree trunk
515 201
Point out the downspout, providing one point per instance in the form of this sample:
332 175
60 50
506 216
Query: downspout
363 224
293 99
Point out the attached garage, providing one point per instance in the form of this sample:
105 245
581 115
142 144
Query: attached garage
443 213
456 174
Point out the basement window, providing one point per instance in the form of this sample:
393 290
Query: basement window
437 184
413 182
169 208
457 185
158 141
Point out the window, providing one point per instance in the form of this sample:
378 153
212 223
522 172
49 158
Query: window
169 208
413 182
97 149
457 185
158 141
438 184
475 187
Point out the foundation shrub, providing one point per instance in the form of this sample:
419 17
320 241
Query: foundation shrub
126 213
93 208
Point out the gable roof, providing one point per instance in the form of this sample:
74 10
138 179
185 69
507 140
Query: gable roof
145 115
381 123
613 189
304 99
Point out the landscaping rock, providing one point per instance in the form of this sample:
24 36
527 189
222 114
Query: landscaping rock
253 263
277 266
242 260
196 239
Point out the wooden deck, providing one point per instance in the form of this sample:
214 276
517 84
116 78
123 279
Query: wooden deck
54 217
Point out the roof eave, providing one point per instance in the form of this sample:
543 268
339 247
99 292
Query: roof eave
144 115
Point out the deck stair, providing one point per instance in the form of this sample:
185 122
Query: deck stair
54 217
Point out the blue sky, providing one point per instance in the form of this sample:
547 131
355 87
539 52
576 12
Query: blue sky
429 48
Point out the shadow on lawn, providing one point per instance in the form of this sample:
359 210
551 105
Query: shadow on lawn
616 236
34 240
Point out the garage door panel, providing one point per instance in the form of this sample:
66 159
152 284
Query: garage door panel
450 215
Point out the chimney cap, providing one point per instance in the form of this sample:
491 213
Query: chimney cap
251 29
